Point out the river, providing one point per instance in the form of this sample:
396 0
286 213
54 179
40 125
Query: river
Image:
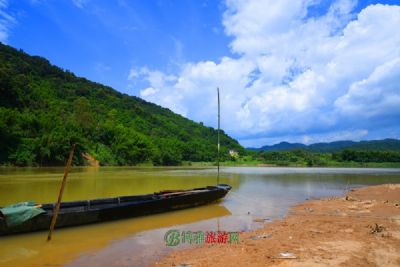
257 193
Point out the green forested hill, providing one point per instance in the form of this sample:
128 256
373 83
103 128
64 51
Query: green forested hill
44 108
375 153
372 145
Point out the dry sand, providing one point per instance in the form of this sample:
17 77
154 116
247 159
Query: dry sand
359 229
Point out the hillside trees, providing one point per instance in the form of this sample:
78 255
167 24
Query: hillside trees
43 109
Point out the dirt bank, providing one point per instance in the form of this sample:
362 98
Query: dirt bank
359 229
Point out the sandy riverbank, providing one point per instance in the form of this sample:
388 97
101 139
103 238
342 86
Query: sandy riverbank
359 229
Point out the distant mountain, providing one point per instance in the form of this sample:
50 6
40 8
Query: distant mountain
382 145
331 147
282 146
377 145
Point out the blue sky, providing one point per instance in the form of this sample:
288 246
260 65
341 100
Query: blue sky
102 40
301 71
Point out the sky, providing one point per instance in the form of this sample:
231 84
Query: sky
300 71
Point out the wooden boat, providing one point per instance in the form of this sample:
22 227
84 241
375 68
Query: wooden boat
100 210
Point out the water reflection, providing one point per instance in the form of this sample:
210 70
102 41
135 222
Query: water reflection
33 249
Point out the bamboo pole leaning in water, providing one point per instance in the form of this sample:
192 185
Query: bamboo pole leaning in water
57 206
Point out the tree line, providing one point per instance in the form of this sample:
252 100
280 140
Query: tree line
307 158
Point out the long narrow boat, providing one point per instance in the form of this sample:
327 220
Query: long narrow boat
100 210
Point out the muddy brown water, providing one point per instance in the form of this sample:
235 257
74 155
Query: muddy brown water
257 193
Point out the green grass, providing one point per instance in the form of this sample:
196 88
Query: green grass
243 162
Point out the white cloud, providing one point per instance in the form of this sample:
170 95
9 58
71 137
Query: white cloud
294 75
133 74
255 24
6 21
148 92
378 95
80 3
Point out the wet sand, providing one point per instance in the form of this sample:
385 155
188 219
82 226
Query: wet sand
361 228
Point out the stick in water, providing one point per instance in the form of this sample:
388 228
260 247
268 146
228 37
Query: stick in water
57 206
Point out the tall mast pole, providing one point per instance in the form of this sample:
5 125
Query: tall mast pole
218 136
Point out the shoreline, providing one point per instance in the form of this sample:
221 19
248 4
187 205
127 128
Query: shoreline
361 228
237 163
208 165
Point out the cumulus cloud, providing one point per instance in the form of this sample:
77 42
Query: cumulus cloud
6 21
377 95
294 73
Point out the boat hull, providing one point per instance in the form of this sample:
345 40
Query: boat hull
101 210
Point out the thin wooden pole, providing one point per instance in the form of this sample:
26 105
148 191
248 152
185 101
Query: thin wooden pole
57 206
218 136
